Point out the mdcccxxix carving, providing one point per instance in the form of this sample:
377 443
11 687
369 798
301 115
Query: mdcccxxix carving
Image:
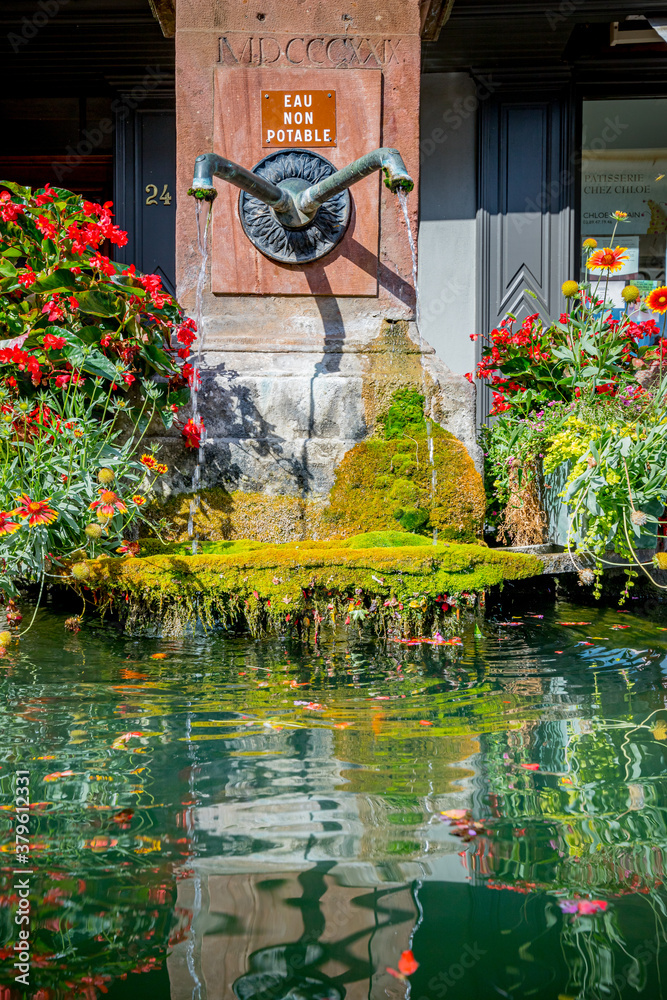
321 51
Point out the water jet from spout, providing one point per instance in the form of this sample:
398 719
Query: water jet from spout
403 202
202 244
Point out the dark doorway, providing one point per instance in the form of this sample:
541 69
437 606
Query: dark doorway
88 104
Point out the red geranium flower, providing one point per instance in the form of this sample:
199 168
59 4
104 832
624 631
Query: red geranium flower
192 433
53 343
47 228
9 210
28 278
54 309
187 332
46 196
104 264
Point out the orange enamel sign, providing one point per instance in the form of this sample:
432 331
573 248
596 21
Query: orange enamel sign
298 118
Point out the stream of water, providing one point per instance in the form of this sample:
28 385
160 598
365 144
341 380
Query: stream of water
202 245
220 818
403 202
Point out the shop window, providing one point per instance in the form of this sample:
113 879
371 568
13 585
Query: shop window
624 167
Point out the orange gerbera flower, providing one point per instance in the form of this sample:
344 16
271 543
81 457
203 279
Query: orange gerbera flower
608 259
657 300
7 526
161 469
36 511
150 461
108 504
138 499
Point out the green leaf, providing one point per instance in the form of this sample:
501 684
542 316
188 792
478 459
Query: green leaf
592 504
7 268
128 282
564 353
180 397
167 416
157 356
99 303
61 280
18 189
96 364
89 334
7 343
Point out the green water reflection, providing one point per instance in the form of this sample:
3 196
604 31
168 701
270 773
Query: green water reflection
219 817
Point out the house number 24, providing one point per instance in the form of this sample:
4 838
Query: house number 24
152 199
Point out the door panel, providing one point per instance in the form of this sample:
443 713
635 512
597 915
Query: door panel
146 191
527 188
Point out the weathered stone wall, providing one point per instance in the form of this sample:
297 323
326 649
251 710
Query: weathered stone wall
291 381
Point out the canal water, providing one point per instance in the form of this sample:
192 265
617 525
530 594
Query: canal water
220 817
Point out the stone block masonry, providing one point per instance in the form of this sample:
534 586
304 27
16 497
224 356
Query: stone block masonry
290 351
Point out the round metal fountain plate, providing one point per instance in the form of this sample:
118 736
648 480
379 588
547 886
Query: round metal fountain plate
300 168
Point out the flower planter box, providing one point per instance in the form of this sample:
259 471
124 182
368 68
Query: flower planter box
558 517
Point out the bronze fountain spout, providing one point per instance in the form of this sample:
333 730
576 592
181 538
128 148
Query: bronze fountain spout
294 205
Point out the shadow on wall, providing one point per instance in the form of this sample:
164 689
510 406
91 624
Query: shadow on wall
249 438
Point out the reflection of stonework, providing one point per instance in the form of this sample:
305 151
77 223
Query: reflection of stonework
306 887
289 933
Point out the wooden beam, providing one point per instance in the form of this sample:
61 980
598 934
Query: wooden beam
434 15
164 12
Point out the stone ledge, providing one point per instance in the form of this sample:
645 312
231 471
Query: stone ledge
374 580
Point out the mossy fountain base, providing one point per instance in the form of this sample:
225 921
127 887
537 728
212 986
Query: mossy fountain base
392 583
382 483
287 564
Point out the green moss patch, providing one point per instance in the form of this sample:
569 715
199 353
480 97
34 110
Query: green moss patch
385 540
399 590
388 484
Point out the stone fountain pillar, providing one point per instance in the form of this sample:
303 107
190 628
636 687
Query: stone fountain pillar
299 360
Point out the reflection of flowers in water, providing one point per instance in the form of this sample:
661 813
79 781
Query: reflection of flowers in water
87 931
583 907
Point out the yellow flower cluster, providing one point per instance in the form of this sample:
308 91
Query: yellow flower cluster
568 445
571 444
